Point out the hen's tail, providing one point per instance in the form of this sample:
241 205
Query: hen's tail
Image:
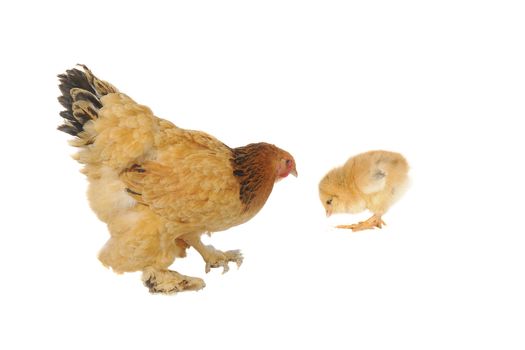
81 93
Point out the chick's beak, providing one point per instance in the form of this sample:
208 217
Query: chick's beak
328 213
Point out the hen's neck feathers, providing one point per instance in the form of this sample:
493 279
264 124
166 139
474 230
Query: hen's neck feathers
254 167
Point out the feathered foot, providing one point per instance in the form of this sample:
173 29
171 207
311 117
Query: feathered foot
169 282
216 258
373 222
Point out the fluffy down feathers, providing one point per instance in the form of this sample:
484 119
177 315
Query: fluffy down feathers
373 180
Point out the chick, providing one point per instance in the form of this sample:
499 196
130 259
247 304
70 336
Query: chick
373 180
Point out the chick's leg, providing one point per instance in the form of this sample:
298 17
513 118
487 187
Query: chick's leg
372 222
214 257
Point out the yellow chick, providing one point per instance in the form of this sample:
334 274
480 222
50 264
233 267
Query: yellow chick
373 180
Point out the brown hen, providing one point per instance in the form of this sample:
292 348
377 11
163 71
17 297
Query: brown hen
159 187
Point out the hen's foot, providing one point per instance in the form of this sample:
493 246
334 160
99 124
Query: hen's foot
216 258
169 282
373 222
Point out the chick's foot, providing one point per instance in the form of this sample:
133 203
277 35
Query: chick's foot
169 282
373 222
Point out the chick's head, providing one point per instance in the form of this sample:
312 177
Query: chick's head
329 190
337 194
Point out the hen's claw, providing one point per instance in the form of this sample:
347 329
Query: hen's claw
221 259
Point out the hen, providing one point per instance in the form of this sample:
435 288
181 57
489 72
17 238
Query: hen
373 180
159 187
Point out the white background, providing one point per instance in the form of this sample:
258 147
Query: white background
443 82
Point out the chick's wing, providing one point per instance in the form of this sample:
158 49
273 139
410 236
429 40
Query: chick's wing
370 176
376 170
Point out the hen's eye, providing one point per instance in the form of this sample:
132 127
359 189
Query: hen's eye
329 202
288 162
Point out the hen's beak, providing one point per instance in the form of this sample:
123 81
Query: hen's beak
294 172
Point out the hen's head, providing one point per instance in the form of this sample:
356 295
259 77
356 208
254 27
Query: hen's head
262 163
257 167
285 165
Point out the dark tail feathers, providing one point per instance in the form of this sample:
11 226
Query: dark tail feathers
81 92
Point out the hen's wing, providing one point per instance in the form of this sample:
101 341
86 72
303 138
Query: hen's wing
191 182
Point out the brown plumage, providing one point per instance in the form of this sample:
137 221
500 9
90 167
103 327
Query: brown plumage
159 187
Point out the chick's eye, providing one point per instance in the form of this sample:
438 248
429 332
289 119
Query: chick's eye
329 202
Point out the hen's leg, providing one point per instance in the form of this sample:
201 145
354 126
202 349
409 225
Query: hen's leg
373 222
142 245
169 282
212 256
